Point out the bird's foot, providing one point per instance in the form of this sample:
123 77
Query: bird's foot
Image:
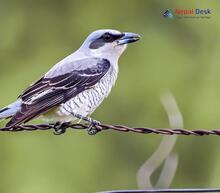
92 130
59 128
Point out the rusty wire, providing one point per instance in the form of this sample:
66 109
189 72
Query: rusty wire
122 128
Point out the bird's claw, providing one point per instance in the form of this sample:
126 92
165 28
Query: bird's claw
92 130
59 128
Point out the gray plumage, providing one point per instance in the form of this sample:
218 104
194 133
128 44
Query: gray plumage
10 110
77 84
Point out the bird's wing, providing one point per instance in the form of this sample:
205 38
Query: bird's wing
49 92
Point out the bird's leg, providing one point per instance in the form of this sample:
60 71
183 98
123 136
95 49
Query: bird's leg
91 129
59 128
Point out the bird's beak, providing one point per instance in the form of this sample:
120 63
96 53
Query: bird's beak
128 38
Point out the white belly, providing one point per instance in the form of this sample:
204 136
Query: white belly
85 102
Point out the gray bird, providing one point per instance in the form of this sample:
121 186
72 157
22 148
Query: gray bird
74 87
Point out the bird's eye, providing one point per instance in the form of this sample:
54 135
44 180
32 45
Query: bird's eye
108 37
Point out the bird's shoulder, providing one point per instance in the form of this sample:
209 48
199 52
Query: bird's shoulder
87 64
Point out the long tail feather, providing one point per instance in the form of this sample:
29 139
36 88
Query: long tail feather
10 110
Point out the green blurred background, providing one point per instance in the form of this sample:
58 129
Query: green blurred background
180 55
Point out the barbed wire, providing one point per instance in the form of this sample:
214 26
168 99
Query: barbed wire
122 128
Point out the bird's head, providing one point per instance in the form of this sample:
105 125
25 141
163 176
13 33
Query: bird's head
108 42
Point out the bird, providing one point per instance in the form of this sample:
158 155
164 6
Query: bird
74 87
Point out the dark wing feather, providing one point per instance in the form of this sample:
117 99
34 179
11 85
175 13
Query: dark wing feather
50 92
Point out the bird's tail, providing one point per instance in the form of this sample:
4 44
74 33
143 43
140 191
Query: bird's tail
10 110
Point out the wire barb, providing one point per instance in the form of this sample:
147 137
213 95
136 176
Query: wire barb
122 128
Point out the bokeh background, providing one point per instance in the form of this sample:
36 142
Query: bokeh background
179 55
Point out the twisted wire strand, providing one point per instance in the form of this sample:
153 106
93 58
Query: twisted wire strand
121 128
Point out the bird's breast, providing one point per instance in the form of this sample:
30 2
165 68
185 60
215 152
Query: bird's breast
87 101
